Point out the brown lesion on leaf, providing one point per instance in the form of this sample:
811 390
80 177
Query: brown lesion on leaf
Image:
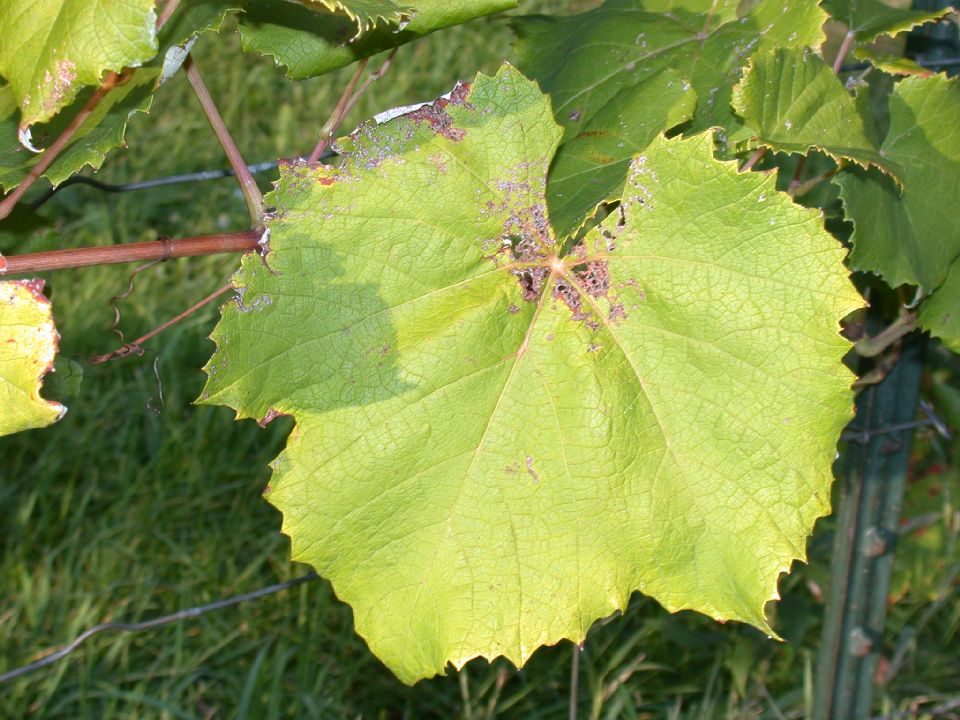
578 275
535 476
272 414
35 287
525 242
300 174
569 295
435 114
60 83
531 281
593 277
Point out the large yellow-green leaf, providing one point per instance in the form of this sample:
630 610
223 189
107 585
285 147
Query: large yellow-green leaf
871 18
309 43
499 439
795 103
584 61
28 344
51 49
914 236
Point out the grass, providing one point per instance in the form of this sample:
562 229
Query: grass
127 510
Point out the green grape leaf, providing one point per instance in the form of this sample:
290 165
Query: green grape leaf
591 167
191 19
28 345
498 439
871 18
194 17
910 237
892 64
12 154
584 61
309 43
53 48
365 13
940 313
102 131
794 103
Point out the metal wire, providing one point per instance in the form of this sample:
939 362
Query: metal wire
931 419
157 182
146 184
932 64
189 613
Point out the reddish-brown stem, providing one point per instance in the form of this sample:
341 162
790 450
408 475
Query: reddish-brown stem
706 23
165 14
248 185
51 153
347 102
371 78
873 346
163 249
339 112
848 40
797 173
754 159
134 348
802 189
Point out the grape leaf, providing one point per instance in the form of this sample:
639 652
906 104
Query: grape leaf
53 48
795 103
891 64
309 43
28 344
910 238
104 129
940 313
591 167
101 132
583 61
191 19
365 13
871 18
12 153
194 17
497 441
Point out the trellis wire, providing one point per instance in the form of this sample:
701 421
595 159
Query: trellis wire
202 176
187 614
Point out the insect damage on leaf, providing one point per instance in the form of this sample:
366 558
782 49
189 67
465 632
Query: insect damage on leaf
436 116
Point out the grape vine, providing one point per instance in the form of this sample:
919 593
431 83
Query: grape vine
569 332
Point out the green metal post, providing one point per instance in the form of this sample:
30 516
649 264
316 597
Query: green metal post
874 470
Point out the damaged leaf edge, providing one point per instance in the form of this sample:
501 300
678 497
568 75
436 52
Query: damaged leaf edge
35 289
